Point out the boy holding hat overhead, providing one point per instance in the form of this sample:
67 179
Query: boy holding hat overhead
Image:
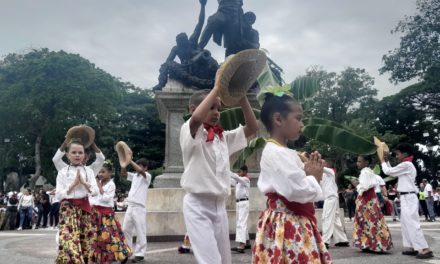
135 220
206 178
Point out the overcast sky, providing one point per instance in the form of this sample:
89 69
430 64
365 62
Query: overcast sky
131 38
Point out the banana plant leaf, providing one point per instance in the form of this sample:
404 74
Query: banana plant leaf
376 169
304 88
254 145
389 179
339 137
233 117
321 121
349 178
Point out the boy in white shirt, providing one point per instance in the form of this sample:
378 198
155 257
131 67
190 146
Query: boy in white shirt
135 220
242 184
206 177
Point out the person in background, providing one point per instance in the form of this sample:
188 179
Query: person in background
350 195
43 209
54 214
13 198
25 207
422 202
429 198
392 195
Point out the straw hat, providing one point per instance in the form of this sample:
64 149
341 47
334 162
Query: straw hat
85 133
237 74
382 148
125 154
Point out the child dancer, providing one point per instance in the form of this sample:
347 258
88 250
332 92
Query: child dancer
242 184
111 244
206 179
135 221
287 231
406 173
370 231
76 230
331 221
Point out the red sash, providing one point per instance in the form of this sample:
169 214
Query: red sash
82 203
306 210
368 195
103 210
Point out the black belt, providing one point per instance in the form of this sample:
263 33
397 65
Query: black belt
403 193
242 199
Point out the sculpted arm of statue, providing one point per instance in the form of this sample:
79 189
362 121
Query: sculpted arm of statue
173 54
194 38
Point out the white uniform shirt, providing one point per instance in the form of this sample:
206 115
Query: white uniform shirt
66 176
406 173
138 190
107 198
206 164
367 180
380 183
95 166
282 172
242 185
328 184
427 189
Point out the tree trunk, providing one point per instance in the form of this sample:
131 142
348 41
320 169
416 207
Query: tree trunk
37 173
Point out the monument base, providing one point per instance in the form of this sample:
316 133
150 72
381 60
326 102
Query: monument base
168 180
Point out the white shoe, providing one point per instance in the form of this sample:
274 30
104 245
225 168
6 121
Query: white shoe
19 228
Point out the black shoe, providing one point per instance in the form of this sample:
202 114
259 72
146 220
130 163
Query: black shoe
137 259
426 255
183 250
124 261
410 252
342 244
327 245
248 246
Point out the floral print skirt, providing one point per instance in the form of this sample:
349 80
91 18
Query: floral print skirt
77 234
370 231
284 237
111 244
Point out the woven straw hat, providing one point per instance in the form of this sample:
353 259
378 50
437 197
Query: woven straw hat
125 154
382 148
85 133
237 74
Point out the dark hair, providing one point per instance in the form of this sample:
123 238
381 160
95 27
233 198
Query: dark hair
274 104
142 161
197 97
367 158
76 141
108 166
244 168
405 148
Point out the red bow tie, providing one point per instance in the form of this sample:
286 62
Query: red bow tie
212 130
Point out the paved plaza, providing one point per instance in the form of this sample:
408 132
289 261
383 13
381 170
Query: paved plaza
38 246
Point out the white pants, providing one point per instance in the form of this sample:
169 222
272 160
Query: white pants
241 230
412 233
207 225
135 222
331 222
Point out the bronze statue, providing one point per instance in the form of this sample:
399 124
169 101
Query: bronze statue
196 68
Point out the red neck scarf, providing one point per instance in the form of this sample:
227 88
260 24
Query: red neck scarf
212 130
409 158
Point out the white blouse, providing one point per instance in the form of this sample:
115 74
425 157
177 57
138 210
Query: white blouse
367 180
282 172
66 176
95 166
107 198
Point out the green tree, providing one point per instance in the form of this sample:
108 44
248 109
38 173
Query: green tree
43 93
419 48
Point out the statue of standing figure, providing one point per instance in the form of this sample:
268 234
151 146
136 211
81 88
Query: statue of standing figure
230 26
197 68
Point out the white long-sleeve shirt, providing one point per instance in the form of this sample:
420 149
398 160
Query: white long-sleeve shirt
66 176
328 184
406 174
367 180
106 199
95 166
26 201
282 171
242 185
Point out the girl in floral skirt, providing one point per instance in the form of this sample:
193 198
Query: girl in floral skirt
287 231
111 244
76 228
370 231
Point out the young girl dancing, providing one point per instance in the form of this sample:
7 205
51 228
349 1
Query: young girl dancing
287 231
76 230
111 244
